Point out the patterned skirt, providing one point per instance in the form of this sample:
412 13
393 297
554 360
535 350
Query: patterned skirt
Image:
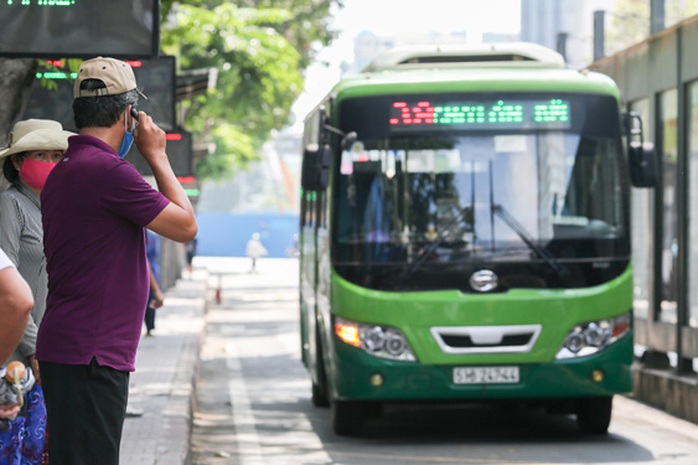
25 442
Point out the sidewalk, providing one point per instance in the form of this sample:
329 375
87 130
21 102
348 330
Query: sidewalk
162 385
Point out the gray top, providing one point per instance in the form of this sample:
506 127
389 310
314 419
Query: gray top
21 237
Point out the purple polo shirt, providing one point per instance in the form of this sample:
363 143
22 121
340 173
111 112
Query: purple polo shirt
94 206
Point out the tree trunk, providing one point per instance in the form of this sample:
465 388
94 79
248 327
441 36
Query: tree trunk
16 78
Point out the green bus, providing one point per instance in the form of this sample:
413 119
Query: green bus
465 234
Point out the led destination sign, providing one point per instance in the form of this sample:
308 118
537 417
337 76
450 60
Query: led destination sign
479 115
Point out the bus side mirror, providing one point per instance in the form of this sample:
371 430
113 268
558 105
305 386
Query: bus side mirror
642 157
642 160
315 170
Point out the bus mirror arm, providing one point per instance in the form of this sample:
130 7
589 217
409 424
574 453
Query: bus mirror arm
315 168
348 138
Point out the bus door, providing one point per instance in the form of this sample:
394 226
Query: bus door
314 254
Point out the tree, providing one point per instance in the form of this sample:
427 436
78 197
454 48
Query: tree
258 77
260 49
16 76
307 27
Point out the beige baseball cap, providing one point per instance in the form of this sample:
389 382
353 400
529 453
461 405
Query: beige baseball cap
116 75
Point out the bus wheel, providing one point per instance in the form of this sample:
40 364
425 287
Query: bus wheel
319 396
594 414
347 417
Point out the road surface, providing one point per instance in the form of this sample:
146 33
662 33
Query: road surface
253 401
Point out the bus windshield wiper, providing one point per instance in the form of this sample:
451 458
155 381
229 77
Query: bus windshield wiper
443 235
528 239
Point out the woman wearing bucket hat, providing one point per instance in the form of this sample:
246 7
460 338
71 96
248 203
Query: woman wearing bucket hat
35 146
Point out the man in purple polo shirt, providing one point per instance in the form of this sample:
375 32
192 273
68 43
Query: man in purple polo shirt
95 206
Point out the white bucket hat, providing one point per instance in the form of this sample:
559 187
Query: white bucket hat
36 134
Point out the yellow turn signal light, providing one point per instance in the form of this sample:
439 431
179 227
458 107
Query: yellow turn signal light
348 333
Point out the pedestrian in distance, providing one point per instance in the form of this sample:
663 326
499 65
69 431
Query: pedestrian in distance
156 297
35 147
254 249
95 206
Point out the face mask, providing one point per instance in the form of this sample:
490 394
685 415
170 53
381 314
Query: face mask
127 141
35 172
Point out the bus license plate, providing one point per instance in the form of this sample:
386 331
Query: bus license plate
485 375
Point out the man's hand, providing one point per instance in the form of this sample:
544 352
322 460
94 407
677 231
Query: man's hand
150 139
9 410
34 364
158 299
177 221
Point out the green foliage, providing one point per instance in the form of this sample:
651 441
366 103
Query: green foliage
68 66
234 149
258 69
309 25
259 50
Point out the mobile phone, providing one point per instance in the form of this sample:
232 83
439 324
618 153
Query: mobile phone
134 113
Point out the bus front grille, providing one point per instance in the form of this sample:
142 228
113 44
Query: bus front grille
486 339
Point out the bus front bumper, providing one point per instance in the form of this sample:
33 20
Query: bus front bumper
360 376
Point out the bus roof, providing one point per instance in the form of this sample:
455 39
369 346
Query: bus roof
508 67
428 56
473 79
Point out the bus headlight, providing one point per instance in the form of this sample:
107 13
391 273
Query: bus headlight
381 341
395 343
372 338
594 336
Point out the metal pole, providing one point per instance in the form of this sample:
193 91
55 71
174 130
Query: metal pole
562 44
599 22
684 364
656 16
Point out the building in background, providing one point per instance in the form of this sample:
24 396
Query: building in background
568 25
368 45
563 25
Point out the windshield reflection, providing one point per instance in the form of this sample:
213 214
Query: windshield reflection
486 196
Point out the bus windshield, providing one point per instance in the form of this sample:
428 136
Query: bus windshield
474 183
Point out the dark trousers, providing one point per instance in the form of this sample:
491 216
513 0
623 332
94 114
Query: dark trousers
149 318
86 407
